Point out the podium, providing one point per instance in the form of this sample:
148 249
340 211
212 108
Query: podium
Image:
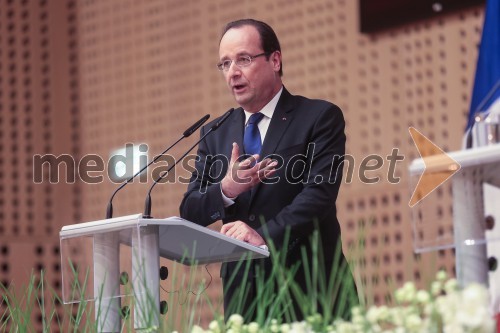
474 232
91 253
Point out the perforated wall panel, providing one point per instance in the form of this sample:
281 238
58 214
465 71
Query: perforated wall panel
38 115
148 72
88 77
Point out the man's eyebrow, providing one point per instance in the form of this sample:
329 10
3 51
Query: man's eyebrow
242 54
239 54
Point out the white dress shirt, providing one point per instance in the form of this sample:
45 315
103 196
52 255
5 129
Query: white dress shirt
267 111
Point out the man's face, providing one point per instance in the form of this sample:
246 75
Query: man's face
255 85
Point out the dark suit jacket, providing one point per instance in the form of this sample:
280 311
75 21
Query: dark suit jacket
307 139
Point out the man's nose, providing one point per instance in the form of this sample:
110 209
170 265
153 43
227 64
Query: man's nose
233 70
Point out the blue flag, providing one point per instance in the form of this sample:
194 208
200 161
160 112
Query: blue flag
487 81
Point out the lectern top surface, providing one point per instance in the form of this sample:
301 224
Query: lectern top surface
179 239
99 226
466 158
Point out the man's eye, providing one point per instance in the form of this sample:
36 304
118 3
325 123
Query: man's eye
243 60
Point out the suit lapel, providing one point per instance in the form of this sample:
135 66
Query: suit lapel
282 117
236 130
279 123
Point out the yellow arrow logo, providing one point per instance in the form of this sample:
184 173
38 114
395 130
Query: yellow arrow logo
439 166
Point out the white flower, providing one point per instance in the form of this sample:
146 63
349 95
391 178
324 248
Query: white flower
429 309
345 327
451 286
357 316
197 329
356 311
406 293
285 328
423 297
375 315
399 295
372 315
314 319
253 327
456 311
453 328
473 312
436 288
274 326
464 311
300 327
414 323
214 326
441 276
446 306
384 313
235 320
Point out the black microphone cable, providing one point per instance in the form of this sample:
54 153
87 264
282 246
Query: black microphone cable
188 132
218 123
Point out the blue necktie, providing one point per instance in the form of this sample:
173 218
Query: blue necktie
252 142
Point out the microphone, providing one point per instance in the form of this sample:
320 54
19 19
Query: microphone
188 132
220 121
195 126
216 125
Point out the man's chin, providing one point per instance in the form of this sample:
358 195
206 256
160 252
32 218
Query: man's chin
241 100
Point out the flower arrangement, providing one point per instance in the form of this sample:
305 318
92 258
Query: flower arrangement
445 308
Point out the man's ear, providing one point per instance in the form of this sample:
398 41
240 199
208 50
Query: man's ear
275 59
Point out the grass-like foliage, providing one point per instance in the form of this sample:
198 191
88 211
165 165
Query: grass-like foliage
37 307
443 308
22 307
330 293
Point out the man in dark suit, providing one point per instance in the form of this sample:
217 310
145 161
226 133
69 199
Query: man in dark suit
288 186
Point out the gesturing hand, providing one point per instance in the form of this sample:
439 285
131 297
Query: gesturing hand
241 231
242 176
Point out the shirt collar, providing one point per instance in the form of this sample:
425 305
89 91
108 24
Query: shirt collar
268 109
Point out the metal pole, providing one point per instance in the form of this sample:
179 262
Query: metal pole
145 277
106 281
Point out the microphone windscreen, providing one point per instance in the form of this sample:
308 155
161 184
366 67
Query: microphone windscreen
195 126
222 119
